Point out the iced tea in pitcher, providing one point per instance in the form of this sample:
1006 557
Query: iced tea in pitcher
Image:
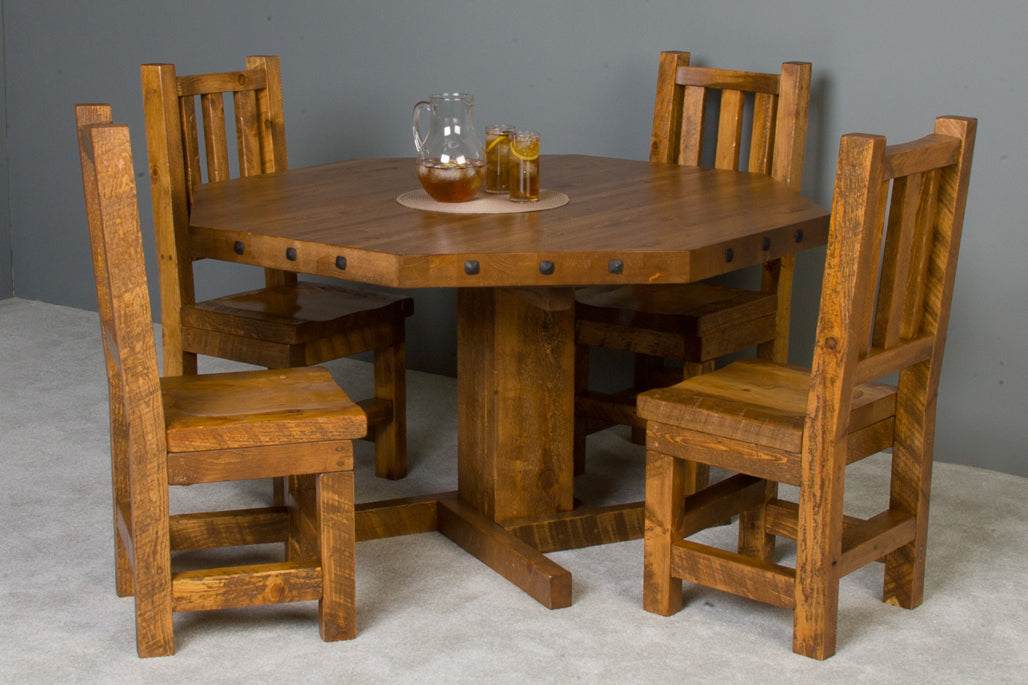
449 181
451 159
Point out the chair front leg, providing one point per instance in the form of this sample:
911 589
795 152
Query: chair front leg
391 436
666 488
337 608
819 551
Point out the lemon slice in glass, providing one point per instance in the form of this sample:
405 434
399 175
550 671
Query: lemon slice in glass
525 147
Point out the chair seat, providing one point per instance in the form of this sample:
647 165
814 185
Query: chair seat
691 308
258 408
693 321
295 314
758 402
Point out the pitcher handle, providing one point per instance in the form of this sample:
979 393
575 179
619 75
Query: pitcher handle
418 140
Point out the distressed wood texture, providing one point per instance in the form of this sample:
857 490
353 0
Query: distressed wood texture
663 223
287 323
897 219
197 429
696 323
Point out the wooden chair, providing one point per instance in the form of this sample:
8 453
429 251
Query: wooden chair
293 423
885 304
697 323
288 322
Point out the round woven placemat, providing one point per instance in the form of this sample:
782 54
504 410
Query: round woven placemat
483 203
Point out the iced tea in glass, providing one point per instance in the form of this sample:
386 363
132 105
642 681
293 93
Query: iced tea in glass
524 167
497 157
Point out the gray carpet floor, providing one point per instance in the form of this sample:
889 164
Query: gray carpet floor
429 612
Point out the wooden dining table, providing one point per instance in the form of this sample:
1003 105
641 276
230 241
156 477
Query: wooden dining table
626 222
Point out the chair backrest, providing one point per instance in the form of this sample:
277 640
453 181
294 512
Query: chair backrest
173 137
897 218
108 180
776 137
777 115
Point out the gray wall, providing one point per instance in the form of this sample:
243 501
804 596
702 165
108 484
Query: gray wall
6 281
581 71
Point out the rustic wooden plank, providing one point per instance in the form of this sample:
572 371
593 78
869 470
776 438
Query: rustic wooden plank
337 608
404 516
755 537
917 283
666 485
791 128
248 126
274 153
736 573
932 151
871 540
912 463
228 528
584 527
87 115
762 136
608 409
170 208
729 130
718 503
518 562
109 183
390 379
781 466
881 362
224 588
694 104
285 407
212 106
268 461
229 81
685 220
896 261
667 108
728 79
502 437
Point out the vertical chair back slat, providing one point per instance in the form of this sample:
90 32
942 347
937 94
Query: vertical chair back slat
729 130
762 143
694 104
896 266
212 105
191 146
917 280
247 141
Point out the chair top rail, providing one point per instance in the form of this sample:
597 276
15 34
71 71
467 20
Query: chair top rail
930 152
224 82
727 79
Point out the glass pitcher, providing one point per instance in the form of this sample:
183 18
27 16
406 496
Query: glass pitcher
451 158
